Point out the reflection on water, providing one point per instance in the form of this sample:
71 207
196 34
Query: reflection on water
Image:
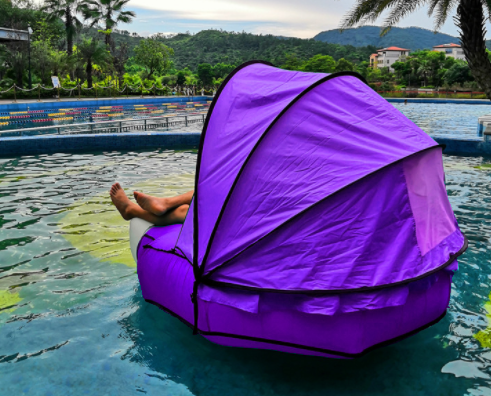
72 319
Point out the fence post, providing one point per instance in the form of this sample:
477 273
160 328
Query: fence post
78 91
145 122
120 126
58 128
39 92
126 87
15 95
186 118
58 88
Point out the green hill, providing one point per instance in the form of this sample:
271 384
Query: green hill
413 38
216 46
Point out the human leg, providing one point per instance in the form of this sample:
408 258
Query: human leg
159 206
130 210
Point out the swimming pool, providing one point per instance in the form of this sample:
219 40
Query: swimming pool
75 115
445 119
73 322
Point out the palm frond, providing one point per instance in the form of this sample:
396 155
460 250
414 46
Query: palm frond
487 6
400 9
443 9
359 12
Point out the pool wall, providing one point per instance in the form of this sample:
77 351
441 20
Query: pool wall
33 145
100 102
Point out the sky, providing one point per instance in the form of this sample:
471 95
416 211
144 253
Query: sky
292 18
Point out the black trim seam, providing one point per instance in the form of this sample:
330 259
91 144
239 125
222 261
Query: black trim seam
299 346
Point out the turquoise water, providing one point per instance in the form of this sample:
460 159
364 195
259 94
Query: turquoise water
445 119
73 322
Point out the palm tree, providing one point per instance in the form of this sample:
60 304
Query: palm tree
66 10
471 18
108 13
89 52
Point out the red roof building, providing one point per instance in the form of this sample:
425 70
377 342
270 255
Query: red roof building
451 50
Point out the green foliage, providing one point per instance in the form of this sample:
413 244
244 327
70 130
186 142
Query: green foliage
320 64
344 65
90 53
153 55
205 73
108 13
459 73
181 78
215 46
66 10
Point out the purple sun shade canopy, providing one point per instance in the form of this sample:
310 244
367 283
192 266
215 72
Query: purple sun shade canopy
320 222
313 182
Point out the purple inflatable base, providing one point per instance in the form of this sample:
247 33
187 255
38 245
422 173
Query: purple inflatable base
167 281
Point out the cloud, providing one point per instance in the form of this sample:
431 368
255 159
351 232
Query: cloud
293 18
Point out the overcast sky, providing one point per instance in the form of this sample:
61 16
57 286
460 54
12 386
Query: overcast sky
292 18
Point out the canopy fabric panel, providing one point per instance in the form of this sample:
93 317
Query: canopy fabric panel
362 237
247 104
337 133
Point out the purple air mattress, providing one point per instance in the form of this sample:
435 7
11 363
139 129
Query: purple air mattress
320 222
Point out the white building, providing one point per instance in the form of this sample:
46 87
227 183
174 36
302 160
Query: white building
452 50
386 57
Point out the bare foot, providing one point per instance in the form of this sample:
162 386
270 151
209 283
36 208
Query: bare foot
157 206
122 202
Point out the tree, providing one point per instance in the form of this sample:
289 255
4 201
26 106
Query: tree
459 73
471 17
153 55
292 63
66 10
109 13
344 65
205 73
90 52
320 64
181 78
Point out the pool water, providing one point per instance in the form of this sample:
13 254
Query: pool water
73 321
445 119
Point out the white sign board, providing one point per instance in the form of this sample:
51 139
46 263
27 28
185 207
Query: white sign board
56 82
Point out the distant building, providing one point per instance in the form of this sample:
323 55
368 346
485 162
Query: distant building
386 57
373 61
452 50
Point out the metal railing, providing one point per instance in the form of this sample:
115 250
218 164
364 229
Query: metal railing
116 126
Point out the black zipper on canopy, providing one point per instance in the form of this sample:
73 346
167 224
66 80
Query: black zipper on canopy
196 269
